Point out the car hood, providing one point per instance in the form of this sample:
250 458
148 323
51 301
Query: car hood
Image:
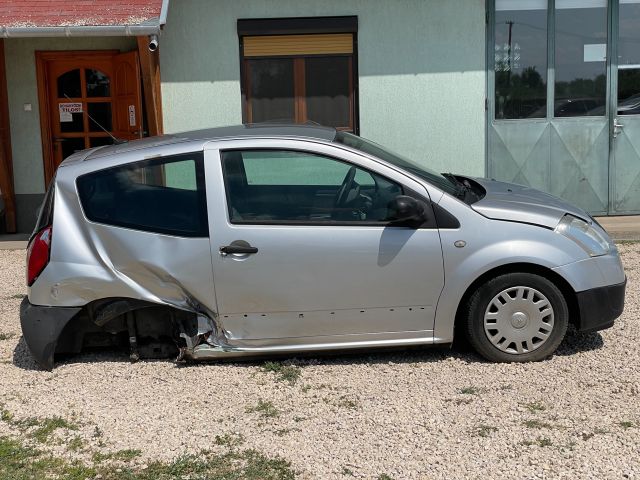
518 203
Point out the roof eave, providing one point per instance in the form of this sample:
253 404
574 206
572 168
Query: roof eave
149 27
81 31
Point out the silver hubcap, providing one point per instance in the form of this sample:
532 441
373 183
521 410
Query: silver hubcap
518 320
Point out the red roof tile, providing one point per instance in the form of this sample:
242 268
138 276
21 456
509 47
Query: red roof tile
72 13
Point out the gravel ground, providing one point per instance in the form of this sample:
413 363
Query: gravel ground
422 414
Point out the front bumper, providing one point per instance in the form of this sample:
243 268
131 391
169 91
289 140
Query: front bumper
599 307
41 328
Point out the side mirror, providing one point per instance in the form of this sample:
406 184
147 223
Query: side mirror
405 210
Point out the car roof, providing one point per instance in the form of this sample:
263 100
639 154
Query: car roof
264 130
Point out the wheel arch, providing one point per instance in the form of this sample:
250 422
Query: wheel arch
108 317
521 267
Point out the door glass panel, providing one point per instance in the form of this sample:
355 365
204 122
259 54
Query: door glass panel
581 48
100 141
327 90
71 123
101 114
266 186
98 84
520 54
629 58
69 84
71 145
271 89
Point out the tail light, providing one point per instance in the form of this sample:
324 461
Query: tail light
38 254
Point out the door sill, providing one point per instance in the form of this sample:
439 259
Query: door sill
206 351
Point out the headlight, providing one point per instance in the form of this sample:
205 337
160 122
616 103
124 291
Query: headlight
593 240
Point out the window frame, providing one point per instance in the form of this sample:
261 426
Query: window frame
344 223
300 26
201 190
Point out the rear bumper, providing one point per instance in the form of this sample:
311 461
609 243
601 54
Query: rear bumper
599 307
41 328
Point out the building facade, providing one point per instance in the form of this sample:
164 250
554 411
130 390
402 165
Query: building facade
540 92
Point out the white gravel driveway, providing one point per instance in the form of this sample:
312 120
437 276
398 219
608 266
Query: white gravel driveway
423 414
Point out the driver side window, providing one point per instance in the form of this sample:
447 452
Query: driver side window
284 186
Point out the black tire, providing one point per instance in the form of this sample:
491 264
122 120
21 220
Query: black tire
474 327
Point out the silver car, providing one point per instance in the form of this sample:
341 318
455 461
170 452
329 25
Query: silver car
255 240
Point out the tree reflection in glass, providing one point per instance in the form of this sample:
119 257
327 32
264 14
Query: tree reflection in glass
520 59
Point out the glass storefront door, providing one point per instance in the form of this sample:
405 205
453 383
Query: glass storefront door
564 100
625 165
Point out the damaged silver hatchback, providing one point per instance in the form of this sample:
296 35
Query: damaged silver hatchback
255 240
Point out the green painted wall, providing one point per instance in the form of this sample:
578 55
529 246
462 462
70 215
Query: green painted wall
22 89
421 71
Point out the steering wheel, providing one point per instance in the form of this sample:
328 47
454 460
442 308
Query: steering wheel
346 187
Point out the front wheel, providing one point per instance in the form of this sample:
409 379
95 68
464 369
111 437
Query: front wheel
516 317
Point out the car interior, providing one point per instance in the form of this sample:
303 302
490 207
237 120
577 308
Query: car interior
361 196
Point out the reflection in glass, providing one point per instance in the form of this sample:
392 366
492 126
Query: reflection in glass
101 115
629 58
100 141
97 83
71 145
69 84
74 126
271 89
327 90
520 53
581 70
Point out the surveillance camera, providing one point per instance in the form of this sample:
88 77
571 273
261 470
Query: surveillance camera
153 43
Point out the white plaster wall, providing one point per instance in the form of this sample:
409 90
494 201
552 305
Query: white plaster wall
421 71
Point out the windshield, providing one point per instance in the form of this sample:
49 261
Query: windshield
382 153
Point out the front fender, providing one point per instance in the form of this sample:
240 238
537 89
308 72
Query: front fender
489 246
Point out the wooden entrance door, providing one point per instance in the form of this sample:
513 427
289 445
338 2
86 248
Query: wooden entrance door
88 98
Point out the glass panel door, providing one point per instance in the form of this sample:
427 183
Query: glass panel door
549 123
519 129
579 133
625 182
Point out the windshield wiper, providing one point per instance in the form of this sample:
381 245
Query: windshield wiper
461 188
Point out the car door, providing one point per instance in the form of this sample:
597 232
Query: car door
309 270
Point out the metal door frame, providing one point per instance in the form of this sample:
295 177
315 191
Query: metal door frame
611 102
612 90
614 73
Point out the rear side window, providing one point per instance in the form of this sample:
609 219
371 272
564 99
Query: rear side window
165 195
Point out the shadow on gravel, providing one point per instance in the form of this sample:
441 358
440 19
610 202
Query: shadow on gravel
22 357
573 343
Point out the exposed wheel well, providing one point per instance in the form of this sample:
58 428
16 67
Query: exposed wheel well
103 323
566 289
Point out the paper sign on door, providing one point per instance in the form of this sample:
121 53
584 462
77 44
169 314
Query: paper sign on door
67 110
132 115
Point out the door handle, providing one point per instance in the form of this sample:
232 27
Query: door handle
617 127
237 248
